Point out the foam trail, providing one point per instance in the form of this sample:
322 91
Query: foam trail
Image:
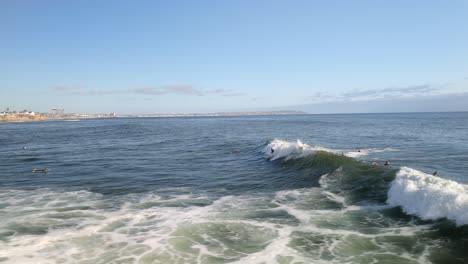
429 197
365 152
290 150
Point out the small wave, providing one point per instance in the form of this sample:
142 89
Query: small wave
278 149
429 197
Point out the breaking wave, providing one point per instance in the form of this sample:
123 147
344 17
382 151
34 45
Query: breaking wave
278 149
359 183
351 215
429 197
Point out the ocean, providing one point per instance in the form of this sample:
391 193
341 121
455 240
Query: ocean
256 189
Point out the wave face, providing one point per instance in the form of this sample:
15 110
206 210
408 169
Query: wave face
419 194
429 197
397 194
360 182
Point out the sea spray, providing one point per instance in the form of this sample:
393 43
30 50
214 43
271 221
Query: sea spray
429 197
278 149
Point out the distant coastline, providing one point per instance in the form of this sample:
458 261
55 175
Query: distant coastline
18 117
22 118
220 114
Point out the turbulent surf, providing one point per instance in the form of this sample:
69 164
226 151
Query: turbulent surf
153 191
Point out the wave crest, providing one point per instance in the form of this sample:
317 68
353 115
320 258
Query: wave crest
366 152
429 197
278 149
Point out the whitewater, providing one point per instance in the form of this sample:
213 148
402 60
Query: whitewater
417 193
288 189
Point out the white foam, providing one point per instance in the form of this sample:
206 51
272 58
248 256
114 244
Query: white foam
368 151
290 150
125 230
298 149
429 197
277 247
128 230
334 197
323 181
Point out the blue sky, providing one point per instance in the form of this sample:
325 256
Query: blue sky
209 56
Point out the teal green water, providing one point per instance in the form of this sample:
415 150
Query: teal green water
211 190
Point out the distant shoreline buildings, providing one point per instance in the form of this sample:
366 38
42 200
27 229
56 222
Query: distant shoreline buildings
59 113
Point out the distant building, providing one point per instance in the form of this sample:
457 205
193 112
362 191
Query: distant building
27 113
112 114
57 111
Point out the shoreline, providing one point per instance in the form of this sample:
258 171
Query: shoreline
20 119
44 117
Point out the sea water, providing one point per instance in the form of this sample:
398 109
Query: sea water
270 189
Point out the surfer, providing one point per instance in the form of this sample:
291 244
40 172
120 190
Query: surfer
272 151
40 170
386 163
434 173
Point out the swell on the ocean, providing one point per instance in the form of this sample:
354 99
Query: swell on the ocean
416 193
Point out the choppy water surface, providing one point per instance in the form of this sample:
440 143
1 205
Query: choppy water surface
290 189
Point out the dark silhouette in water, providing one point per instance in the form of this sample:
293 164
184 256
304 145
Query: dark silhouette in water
434 173
40 170
387 163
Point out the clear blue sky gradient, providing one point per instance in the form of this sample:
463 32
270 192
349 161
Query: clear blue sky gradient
205 56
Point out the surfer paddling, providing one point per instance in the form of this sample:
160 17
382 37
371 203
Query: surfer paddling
40 170
376 164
